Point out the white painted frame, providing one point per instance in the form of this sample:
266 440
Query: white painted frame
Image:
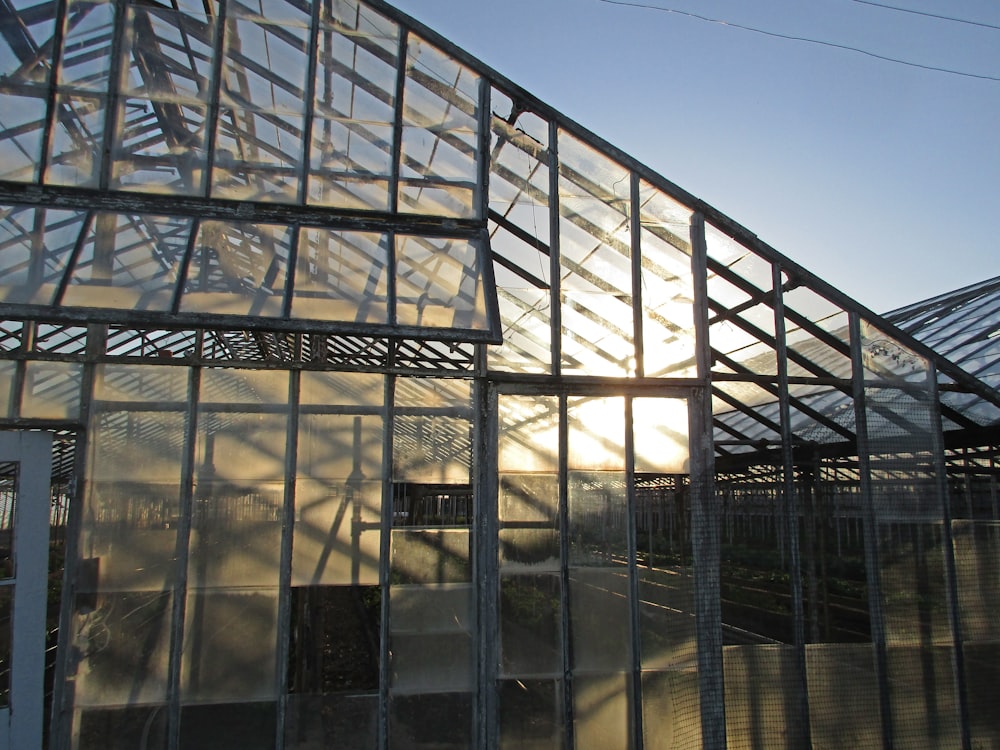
21 722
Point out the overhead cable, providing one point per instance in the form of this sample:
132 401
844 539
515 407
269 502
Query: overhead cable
804 39
929 15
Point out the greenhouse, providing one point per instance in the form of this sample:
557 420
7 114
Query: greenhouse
353 397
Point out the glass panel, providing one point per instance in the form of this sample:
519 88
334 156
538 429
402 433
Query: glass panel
595 260
432 431
132 505
335 720
599 592
977 555
239 482
667 286
258 156
77 141
239 726
438 721
160 147
22 125
341 276
238 269
51 390
439 159
229 650
602 707
338 497
123 646
86 59
124 728
439 283
522 280
531 715
431 638
35 245
352 134
129 262
671 714
8 370
19 61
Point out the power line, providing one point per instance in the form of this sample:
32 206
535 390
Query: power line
804 39
929 15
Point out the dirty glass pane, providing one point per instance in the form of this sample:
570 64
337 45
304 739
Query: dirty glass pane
530 625
341 276
35 245
129 262
432 431
18 62
234 726
258 155
671 712
439 283
431 638
338 499
132 504
238 269
51 390
86 60
531 715
121 728
8 370
229 646
435 721
22 122
977 555
595 261
440 139
239 475
159 147
122 640
75 153
602 708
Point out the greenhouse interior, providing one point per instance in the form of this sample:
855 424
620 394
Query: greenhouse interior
351 396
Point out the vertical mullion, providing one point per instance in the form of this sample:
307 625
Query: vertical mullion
111 103
873 579
633 579
181 556
555 292
789 506
705 512
285 574
567 642
310 93
51 108
182 272
397 125
485 465
951 575
388 410
215 88
636 226
482 198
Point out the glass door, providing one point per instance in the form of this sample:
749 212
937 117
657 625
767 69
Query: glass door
25 464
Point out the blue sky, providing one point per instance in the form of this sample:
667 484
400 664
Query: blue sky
881 178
